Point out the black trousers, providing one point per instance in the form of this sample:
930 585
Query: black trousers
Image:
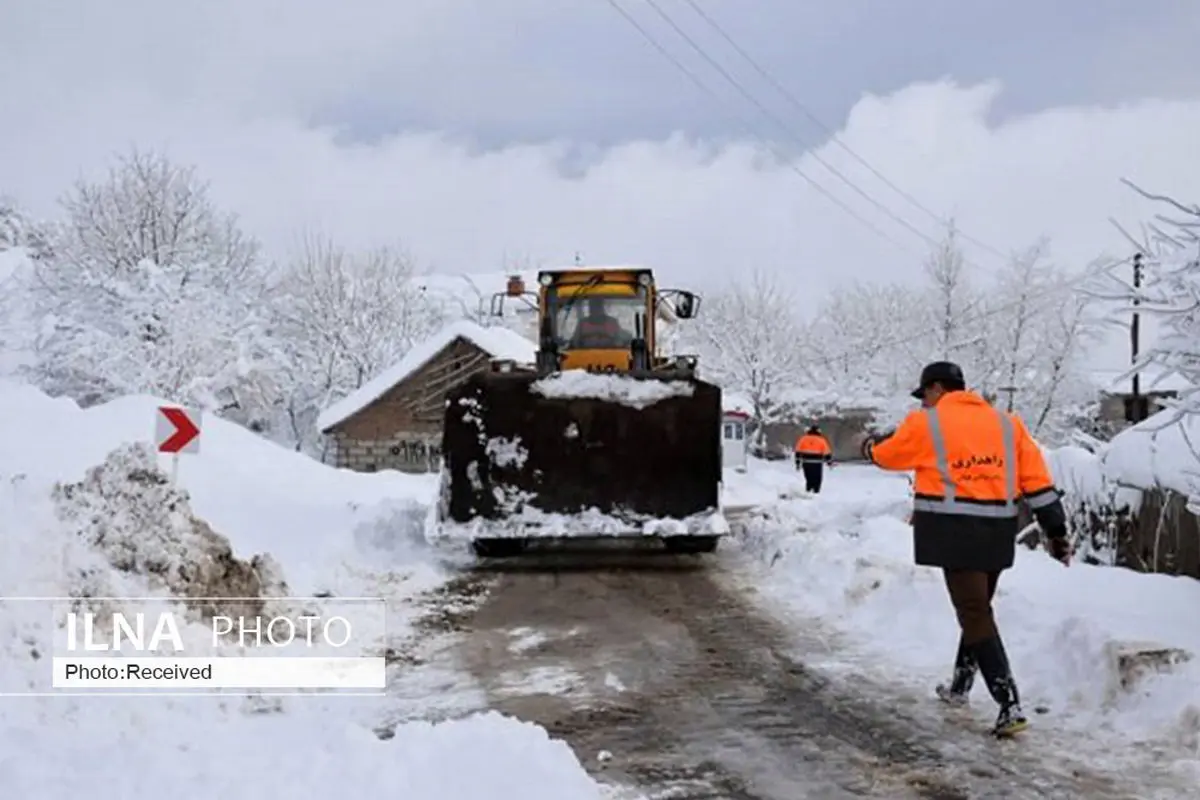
813 472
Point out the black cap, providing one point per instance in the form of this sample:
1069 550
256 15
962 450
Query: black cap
947 373
813 429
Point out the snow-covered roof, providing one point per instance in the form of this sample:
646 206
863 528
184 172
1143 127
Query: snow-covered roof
1158 451
497 342
1114 381
736 402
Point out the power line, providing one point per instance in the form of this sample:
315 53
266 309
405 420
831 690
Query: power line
833 136
1047 295
1050 293
766 112
749 128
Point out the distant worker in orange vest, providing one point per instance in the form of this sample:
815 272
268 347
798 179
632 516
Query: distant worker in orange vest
973 463
812 454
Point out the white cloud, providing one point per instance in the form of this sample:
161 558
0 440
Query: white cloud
231 87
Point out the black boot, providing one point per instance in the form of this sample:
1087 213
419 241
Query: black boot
963 679
993 664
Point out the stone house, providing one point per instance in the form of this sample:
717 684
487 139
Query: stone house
394 421
1120 407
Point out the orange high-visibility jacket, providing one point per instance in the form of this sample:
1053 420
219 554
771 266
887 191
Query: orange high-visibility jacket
813 447
972 463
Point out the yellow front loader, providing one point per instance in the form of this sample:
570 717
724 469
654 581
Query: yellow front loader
602 437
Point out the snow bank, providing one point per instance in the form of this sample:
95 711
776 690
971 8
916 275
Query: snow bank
763 483
87 514
1159 452
617 388
846 556
264 497
1079 474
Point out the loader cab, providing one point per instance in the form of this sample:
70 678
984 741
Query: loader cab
601 319
598 320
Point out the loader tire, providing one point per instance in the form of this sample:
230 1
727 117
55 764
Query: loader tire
498 548
691 545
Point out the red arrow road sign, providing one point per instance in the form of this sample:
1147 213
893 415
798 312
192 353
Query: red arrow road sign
180 433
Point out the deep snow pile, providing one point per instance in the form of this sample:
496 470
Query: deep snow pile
1162 451
86 512
846 557
265 498
615 388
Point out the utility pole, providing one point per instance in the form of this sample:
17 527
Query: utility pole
1134 331
1138 408
1010 391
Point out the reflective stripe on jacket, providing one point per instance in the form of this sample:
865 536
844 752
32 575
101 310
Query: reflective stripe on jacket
972 464
968 458
813 447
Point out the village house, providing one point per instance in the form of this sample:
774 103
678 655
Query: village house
841 420
394 421
1120 407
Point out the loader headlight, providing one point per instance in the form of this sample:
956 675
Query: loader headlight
644 279
545 280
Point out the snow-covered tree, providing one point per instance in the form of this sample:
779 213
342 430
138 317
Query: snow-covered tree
150 209
871 340
152 289
1043 326
18 230
1170 292
1019 334
952 298
341 318
751 341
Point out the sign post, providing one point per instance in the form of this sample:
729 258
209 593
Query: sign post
177 430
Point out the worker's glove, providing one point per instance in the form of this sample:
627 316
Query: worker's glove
868 443
1058 545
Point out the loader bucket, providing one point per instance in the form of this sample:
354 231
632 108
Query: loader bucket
521 461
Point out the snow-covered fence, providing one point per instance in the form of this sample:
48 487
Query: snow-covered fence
1096 512
1122 517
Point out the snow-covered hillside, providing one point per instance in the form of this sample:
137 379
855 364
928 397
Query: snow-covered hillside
80 520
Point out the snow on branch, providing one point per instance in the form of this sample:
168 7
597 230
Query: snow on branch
150 288
342 317
751 341
1019 332
1170 292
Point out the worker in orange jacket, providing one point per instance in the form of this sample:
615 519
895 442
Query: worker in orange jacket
812 454
972 464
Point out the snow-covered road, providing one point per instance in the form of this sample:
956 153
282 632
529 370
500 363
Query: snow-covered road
667 679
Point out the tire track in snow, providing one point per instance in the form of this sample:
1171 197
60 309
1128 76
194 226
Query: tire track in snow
692 690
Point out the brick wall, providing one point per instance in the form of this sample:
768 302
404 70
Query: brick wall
402 430
406 451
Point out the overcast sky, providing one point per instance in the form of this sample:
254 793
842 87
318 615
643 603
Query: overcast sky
473 130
